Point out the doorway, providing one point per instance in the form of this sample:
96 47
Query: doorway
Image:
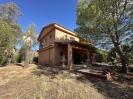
76 58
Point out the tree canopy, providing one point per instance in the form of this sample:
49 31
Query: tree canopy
10 30
112 19
30 39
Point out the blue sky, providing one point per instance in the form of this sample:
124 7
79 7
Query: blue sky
43 12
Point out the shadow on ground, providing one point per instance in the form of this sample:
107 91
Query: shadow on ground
119 87
12 64
19 64
110 89
49 71
124 78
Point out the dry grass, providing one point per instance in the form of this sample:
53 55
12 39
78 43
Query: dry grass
46 83
53 83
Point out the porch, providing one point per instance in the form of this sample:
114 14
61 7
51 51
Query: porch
76 54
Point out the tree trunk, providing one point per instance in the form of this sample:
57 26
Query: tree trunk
26 65
9 60
122 57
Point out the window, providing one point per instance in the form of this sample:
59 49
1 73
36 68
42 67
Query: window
72 39
41 43
61 53
50 36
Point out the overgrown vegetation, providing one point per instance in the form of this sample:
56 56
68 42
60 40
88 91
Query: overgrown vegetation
35 59
11 35
10 30
53 83
112 19
128 52
101 55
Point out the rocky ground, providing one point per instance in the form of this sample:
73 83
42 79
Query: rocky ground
53 83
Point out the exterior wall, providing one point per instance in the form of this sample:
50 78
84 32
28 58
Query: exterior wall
46 56
52 54
45 31
59 34
66 30
60 48
49 40
43 57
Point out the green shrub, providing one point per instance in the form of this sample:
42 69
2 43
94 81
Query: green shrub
35 59
31 61
102 54
3 60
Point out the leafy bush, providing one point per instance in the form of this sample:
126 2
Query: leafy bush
35 59
127 49
102 55
17 58
113 54
31 61
3 60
